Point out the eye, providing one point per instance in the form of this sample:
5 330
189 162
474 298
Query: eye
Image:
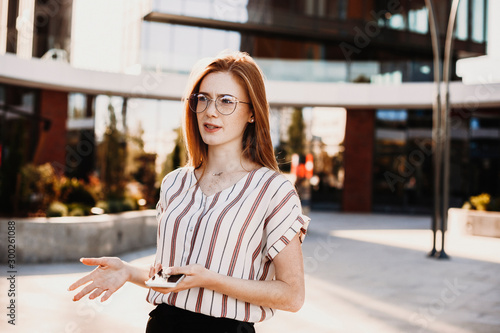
227 99
202 98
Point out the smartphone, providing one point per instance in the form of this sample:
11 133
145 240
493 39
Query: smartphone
161 281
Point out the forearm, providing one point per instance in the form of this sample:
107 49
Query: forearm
275 294
285 292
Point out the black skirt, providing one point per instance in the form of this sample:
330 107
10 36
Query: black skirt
166 318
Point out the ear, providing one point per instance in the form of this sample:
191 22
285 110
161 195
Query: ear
252 119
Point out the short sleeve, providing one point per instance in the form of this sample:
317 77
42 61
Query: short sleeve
284 219
166 184
161 205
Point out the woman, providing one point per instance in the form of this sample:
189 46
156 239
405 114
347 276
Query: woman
228 220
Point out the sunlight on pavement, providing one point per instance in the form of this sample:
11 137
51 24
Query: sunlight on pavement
465 246
331 308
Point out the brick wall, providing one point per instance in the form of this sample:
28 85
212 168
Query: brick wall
52 143
358 161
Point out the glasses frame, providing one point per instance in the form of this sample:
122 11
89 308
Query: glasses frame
210 100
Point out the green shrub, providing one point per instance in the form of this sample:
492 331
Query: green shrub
103 205
57 209
78 209
39 187
117 205
114 206
494 205
129 204
74 191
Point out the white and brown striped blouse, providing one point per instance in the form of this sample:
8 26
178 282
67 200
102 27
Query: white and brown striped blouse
236 232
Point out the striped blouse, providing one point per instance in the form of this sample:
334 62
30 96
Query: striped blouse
236 232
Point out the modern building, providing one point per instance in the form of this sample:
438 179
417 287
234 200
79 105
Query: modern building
367 61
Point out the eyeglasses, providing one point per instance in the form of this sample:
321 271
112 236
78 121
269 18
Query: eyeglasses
225 104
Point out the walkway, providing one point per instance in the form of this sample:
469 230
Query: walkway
364 273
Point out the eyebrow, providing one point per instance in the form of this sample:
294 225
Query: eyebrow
209 95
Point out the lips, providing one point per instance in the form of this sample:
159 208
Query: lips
211 127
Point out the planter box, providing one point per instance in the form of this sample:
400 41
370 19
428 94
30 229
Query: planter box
473 222
59 239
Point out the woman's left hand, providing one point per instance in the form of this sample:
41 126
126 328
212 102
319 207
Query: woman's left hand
196 276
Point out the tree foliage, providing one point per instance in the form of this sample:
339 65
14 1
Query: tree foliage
178 156
296 133
113 158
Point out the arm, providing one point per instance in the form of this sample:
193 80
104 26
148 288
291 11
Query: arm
110 275
286 292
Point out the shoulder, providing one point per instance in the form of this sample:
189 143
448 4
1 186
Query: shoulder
277 182
175 176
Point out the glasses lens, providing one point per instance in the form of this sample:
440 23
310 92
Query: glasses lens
226 104
198 102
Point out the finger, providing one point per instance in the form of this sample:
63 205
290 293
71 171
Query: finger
158 268
96 293
84 280
93 261
84 292
151 271
107 295
176 270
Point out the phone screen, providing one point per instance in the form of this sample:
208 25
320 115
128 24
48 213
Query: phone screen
174 278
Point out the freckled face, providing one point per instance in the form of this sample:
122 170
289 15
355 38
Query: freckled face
215 128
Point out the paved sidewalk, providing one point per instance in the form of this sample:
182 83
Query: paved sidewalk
364 273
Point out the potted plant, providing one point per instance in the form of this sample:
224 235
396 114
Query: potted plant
479 216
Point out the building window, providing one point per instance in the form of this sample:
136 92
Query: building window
176 48
396 21
233 11
478 19
402 161
418 20
462 23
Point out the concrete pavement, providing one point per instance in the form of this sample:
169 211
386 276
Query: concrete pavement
364 273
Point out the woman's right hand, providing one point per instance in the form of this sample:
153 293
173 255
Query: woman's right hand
110 275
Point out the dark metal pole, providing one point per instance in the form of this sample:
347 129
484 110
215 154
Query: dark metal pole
436 117
446 122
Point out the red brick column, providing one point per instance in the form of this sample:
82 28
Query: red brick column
52 144
358 161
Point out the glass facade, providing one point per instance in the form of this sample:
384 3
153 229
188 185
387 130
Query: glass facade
478 24
403 166
80 135
462 23
36 28
19 128
176 48
312 57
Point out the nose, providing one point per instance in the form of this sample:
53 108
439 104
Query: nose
211 110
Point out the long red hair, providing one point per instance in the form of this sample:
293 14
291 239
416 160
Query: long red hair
256 143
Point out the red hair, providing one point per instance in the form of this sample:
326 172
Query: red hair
256 143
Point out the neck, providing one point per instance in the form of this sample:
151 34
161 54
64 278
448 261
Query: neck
224 160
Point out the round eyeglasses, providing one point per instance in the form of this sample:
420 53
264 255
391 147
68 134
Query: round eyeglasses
225 104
